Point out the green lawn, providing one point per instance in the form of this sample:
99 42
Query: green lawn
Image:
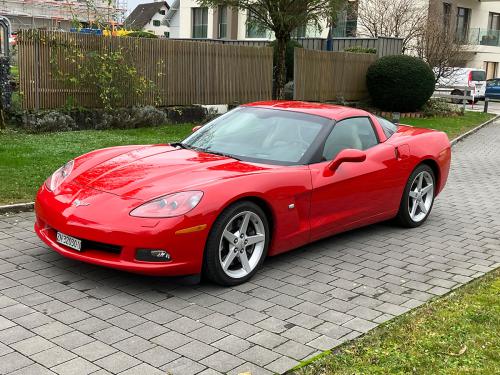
26 160
457 334
453 126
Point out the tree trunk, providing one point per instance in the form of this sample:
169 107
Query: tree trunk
2 120
280 69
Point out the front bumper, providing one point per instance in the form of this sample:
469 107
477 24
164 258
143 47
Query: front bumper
106 221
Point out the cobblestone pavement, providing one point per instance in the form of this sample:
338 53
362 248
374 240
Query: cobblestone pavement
60 316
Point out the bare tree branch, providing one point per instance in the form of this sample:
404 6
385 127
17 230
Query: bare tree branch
438 46
392 18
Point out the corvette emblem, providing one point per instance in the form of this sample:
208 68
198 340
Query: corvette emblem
78 203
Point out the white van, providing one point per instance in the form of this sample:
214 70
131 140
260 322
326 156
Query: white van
471 77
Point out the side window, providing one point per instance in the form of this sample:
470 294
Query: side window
356 132
388 127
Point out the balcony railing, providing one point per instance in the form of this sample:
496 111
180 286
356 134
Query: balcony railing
484 37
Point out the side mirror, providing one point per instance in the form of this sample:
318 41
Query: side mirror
196 128
348 155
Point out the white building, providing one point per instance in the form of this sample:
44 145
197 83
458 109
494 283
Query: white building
60 14
477 24
149 17
474 23
187 19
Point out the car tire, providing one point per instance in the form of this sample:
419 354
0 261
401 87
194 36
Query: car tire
418 197
457 92
232 257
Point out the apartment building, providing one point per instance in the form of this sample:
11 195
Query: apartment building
60 14
476 24
187 19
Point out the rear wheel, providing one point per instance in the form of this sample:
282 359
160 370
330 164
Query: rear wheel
237 244
418 197
459 93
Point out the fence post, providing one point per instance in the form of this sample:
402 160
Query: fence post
295 74
36 55
464 101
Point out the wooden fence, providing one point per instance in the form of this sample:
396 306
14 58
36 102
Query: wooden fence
384 45
181 72
328 76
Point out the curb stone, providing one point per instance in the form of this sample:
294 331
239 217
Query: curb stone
19 207
23 207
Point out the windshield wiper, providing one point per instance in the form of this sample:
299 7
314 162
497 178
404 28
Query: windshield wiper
179 144
219 153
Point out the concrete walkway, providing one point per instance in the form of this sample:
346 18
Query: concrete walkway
60 316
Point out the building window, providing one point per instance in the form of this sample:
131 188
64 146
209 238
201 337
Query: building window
300 32
491 69
200 22
222 21
156 23
463 22
446 15
254 30
162 12
494 21
166 34
346 21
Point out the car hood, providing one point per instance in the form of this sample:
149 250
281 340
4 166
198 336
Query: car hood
148 172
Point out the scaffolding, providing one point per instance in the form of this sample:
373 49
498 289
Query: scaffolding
54 14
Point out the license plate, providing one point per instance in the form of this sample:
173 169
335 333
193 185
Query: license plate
69 241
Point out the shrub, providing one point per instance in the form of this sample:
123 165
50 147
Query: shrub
51 121
289 57
195 114
109 74
359 49
101 119
400 83
149 116
130 118
141 34
440 107
5 89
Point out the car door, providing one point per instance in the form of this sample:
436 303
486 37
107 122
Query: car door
356 193
493 89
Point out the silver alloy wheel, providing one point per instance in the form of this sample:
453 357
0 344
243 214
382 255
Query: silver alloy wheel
421 196
242 244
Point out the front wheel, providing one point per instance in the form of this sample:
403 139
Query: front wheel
458 93
237 244
418 197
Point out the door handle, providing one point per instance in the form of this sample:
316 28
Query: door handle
402 152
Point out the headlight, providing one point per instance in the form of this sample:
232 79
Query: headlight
169 205
59 176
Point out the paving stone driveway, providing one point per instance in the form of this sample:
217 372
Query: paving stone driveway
59 316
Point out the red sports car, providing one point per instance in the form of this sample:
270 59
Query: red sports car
260 180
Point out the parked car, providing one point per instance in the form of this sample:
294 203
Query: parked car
460 77
259 180
493 88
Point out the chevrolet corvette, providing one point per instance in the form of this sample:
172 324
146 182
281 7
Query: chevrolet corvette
260 180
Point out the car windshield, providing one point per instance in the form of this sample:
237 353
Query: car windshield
259 134
478 75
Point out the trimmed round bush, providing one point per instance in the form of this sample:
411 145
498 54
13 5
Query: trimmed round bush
400 83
